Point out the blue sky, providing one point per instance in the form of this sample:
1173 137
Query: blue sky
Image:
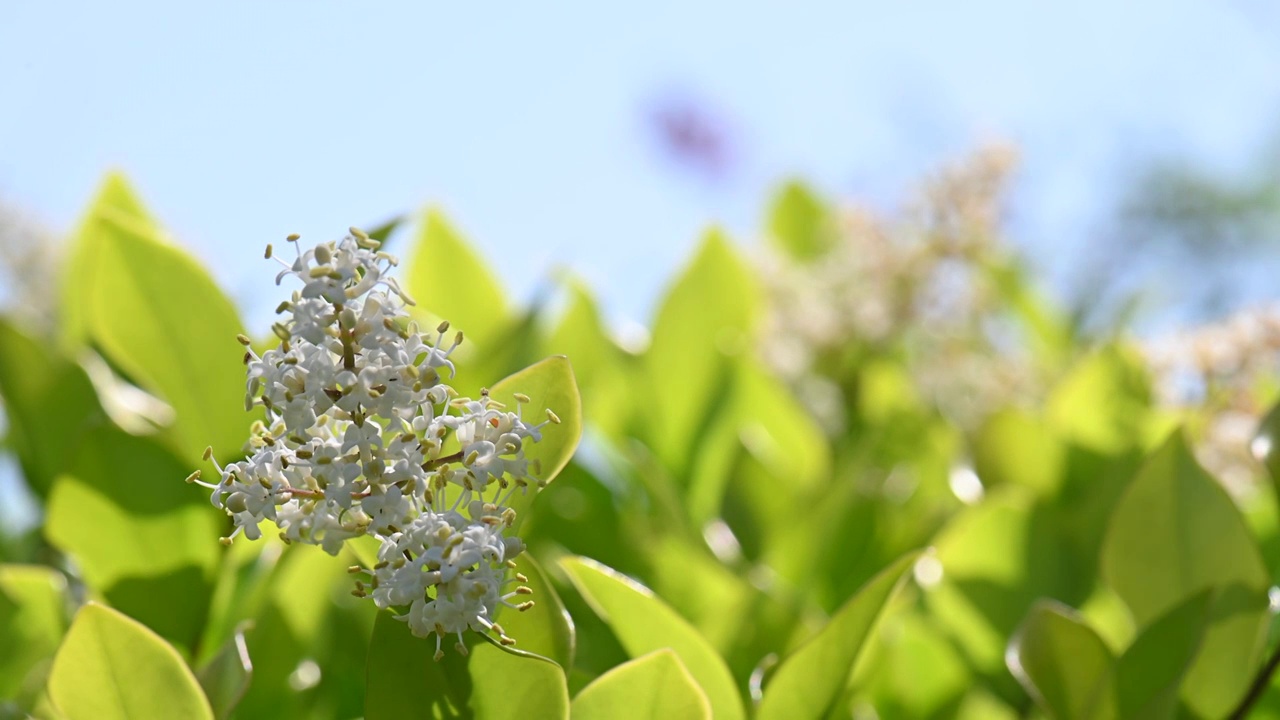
242 122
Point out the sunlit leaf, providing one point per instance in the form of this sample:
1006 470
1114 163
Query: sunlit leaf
1015 447
1148 675
490 683
48 401
1061 662
643 624
158 315
449 279
799 222
138 532
550 385
1103 403
994 560
31 625
656 686
764 417
545 629
112 667
1174 534
600 365
811 678
706 316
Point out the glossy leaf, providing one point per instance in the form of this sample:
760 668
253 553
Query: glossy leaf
707 315
158 315
138 532
811 679
490 683
643 623
48 401
449 279
1175 533
1061 662
656 686
111 667
545 629
550 385
31 625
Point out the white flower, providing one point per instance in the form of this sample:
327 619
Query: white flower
358 422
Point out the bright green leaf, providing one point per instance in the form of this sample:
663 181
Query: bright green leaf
600 365
800 223
1103 403
764 417
545 629
1175 533
997 558
114 210
111 667
643 623
48 401
162 532
1148 675
550 385
158 315
1266 444
490 683
706 316
449 279
1018 448
811 679
656 686
1060 661
31 625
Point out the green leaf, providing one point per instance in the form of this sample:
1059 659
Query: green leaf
550 385
226 677
1175 533
490 683
449 279
997 558
1016 447
1148 675
116 203
656 686
1266 445
1104 402
600 365
545 629
162 532
643 623
1060 661
158 315
31 624
762 415
112 667
800 223
810 680
48 401
707 315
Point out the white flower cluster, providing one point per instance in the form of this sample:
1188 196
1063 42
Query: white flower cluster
363 436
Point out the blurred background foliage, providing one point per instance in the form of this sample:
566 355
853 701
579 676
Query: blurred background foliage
859 411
